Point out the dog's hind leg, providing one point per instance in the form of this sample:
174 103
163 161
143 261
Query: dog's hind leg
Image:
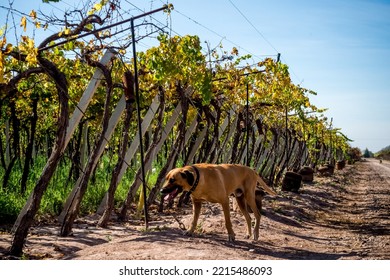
196 206
250 199
259 195
243 207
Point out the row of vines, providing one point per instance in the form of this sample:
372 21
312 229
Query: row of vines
69 123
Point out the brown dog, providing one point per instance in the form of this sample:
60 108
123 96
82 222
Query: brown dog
214 183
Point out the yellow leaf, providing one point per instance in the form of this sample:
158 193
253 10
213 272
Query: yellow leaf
3 42
66 31
1 67
32 56
234 51
98 7
23 23
31 43
8 48
28 46
33 14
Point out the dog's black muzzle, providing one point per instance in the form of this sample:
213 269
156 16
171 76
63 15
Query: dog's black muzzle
171 191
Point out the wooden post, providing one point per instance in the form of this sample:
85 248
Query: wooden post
115 117
147 120
222 129
87 97
228 154
7 144
167 129
84 146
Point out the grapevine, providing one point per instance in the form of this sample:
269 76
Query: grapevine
230 103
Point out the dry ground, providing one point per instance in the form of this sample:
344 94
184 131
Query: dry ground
345 216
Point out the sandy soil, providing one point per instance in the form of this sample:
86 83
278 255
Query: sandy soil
345 216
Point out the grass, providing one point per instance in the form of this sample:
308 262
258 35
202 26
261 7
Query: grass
12 201
10 206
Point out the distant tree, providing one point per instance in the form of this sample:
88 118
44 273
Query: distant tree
48 1
367 153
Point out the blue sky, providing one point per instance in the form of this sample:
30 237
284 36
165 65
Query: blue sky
338 48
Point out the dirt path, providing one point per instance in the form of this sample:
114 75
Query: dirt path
345 216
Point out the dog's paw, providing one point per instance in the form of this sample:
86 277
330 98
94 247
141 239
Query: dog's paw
232 238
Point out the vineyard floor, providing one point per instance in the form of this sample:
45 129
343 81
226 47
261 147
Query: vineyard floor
345 216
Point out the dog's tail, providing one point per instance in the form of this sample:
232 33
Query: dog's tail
265 187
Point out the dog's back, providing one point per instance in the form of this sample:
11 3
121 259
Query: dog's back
232 176
229 175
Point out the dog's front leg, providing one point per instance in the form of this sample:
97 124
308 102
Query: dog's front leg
228 223
196 206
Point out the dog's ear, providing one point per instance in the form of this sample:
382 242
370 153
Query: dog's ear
188 176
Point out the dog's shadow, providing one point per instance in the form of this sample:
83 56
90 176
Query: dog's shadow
250 249
267 250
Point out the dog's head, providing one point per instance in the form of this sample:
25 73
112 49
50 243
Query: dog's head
176 181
